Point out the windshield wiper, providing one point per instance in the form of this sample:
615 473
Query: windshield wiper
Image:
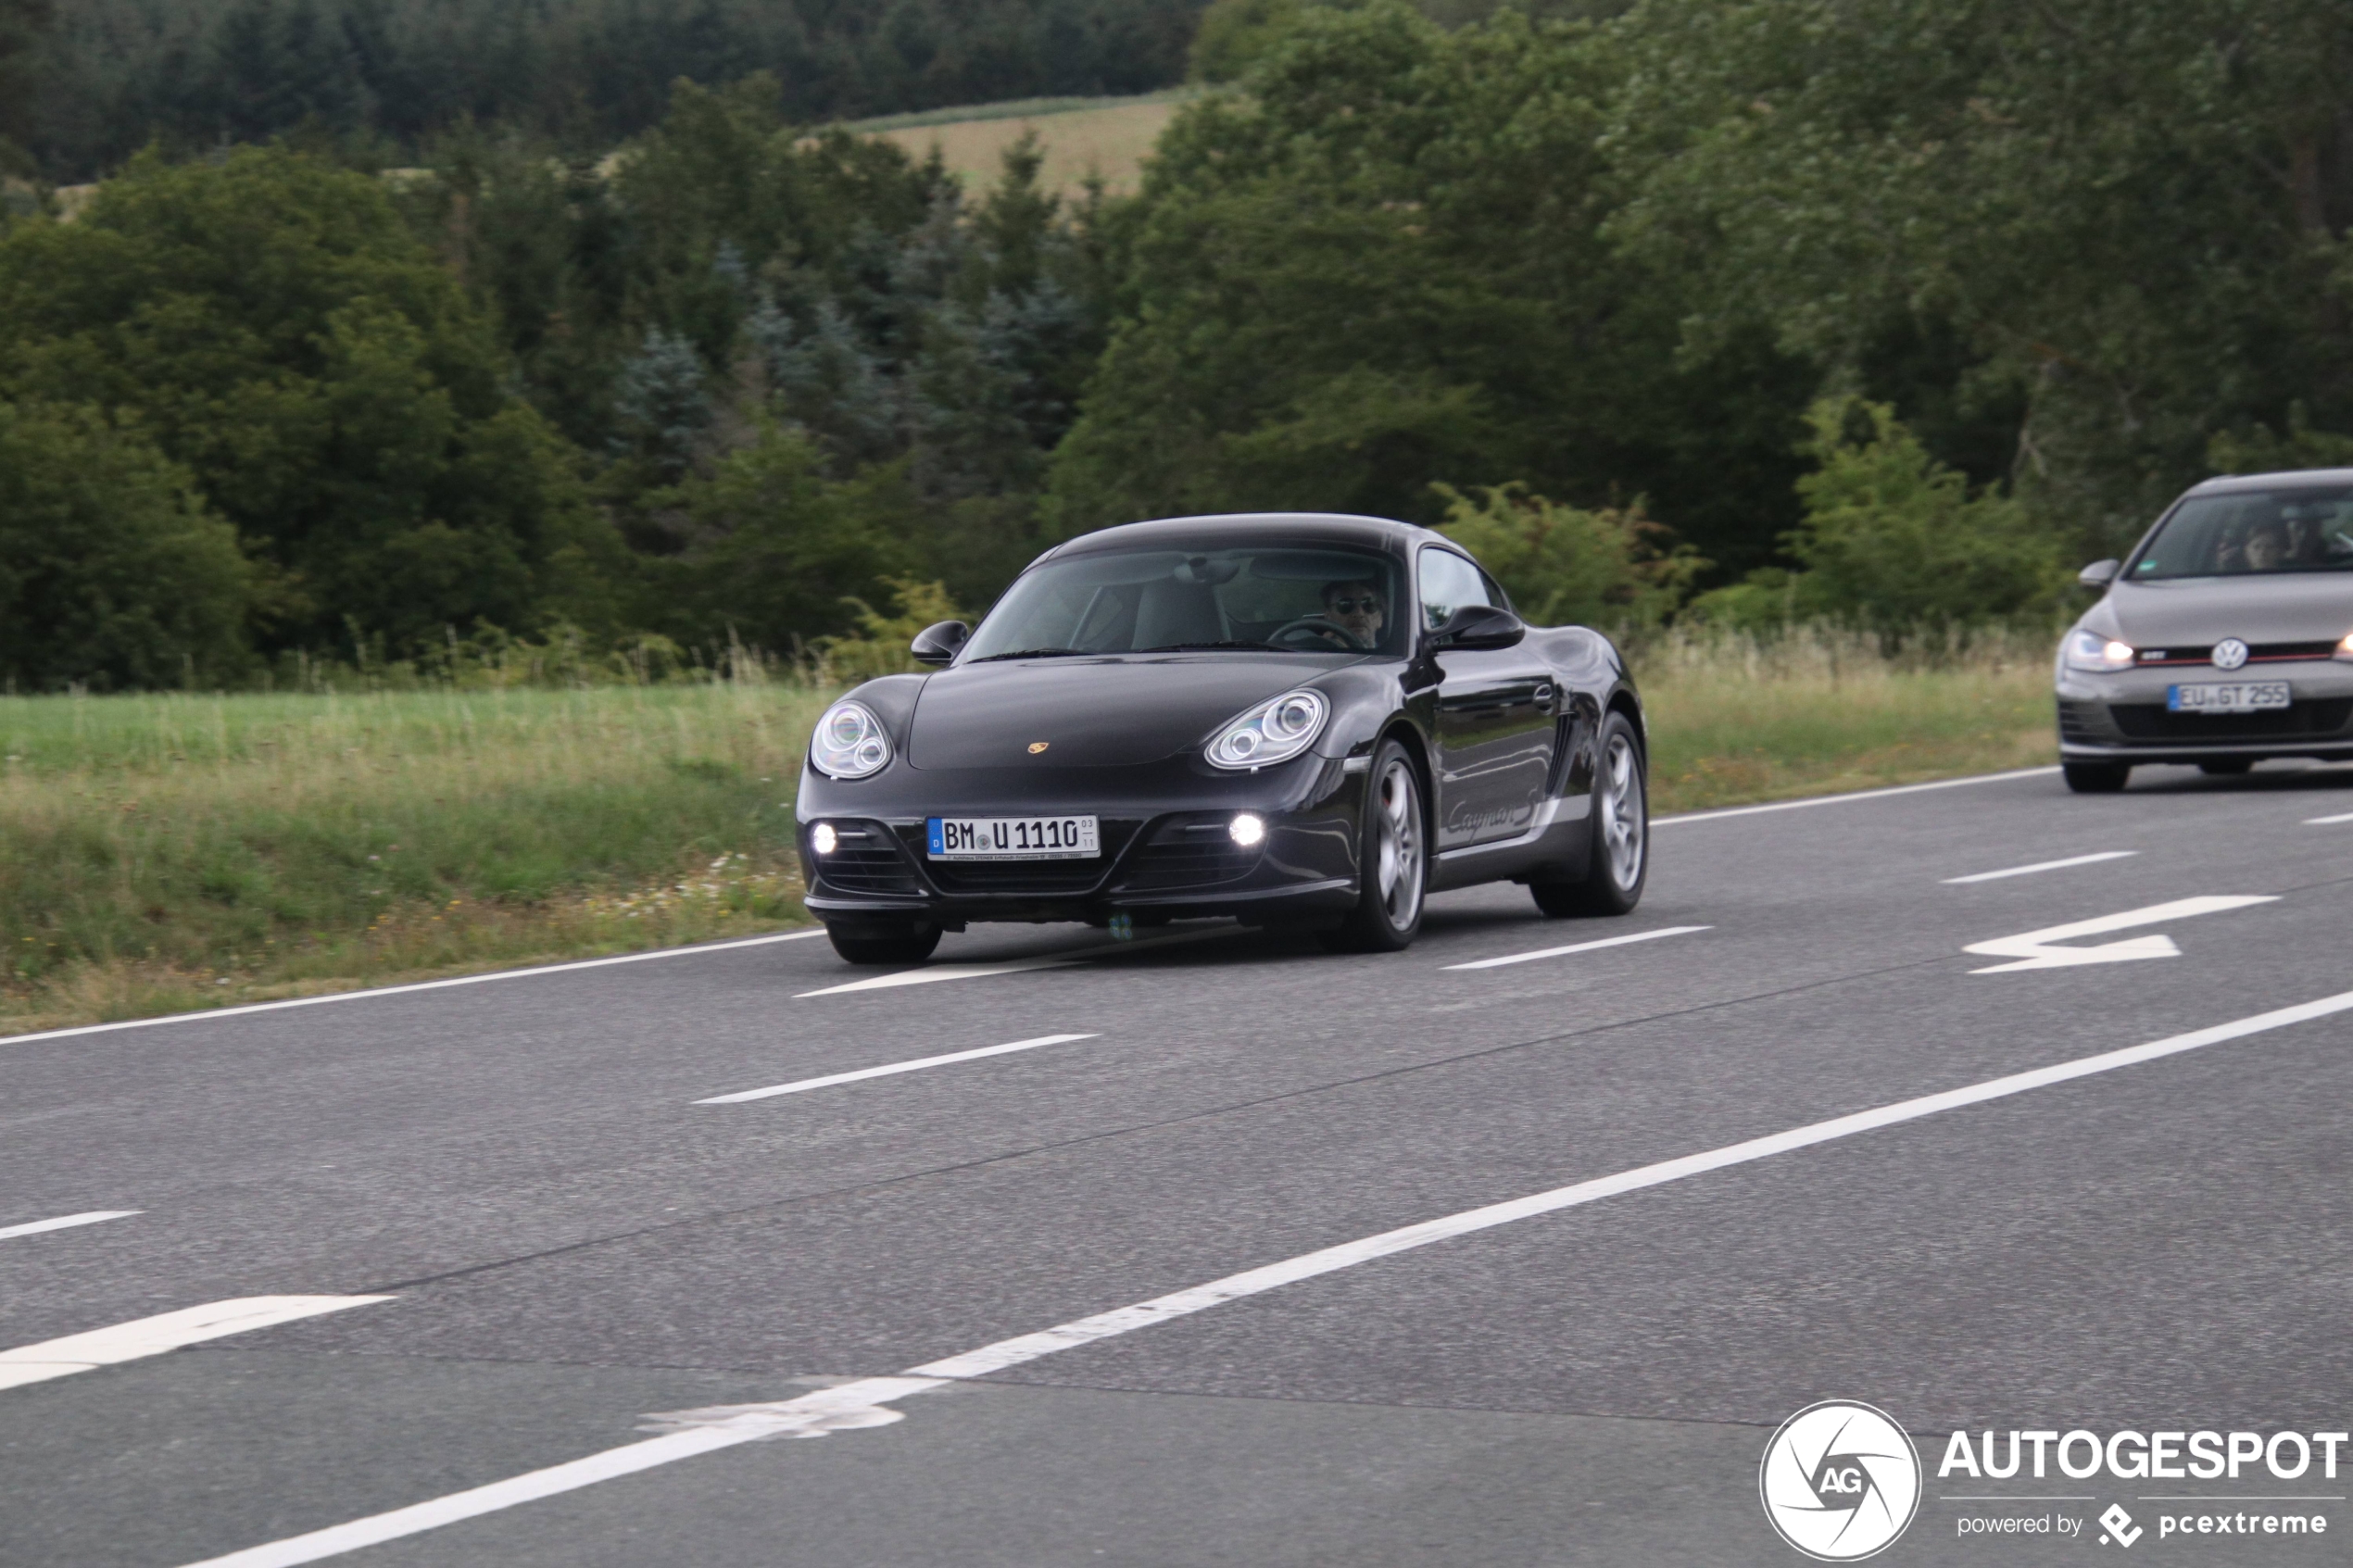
1034 653
1194 647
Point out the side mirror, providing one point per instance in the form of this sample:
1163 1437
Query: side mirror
1478 626
938 645
2099 574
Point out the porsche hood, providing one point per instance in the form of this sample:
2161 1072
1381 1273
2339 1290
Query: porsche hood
2197 613
1086 712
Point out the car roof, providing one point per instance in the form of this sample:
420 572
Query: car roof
1338 528
2310 478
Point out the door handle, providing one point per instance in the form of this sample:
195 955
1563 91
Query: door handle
1544 696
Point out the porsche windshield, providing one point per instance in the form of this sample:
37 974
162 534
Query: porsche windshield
2252 532
1292 599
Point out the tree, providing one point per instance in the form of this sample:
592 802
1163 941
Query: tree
274 327
2133 214
1385 268
112 574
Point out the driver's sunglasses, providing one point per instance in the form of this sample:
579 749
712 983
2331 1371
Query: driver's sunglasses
1350 607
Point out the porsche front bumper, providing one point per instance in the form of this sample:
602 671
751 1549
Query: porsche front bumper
1166 850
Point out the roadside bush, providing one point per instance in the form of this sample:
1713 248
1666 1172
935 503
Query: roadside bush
112 572
1893 541
880 647
1612 567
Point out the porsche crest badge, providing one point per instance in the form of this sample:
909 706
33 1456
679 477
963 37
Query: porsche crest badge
1036 747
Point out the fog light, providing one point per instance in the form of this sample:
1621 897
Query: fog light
1247 830
821 839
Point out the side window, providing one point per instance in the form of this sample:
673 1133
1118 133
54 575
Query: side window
1448 582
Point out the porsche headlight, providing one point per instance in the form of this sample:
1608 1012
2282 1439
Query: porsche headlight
2101 656
850 742
1273 731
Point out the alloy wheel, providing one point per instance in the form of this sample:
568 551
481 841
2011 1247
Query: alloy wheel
1622 812
1398 849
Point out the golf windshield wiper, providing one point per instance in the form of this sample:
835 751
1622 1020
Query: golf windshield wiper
1034 653
1193 647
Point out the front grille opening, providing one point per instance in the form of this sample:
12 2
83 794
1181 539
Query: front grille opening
1195 853
2153 722
866 860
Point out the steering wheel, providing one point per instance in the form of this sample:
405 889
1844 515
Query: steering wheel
1341 638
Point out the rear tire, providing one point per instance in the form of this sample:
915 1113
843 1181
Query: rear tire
2096 778
1617 863
2227 767
1392 860
879 944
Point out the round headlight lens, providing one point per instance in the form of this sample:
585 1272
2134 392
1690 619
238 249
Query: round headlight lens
850 742
2089 650
1273 731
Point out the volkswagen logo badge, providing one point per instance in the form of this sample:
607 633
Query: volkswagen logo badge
1840 1481
2229 653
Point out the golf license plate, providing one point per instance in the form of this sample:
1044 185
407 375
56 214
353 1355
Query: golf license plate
1011 838
2227 696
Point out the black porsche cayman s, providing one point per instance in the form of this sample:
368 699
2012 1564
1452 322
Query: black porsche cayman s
1299 721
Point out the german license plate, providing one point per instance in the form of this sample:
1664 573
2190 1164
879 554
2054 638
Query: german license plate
1011 838
2227 696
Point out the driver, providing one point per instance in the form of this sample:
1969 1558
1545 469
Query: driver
2265 548
1356 608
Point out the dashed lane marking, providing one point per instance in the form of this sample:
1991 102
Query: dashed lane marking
858 1404
917 1065
2043 866
168 1331
66 1221
1579 947
933 974
1857 795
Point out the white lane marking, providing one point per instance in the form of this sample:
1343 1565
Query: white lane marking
2033 950
937 972
917 1065
2323 821
1579 947
64 1221
2043 866
416 986
168 1331
848 1405
1857 795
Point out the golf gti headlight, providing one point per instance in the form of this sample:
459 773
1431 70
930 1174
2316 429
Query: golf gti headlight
2102 656
2345 648
1273 731
850 742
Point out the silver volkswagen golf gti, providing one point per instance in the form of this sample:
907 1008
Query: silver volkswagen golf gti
2224 638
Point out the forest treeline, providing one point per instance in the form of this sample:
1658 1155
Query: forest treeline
97 80
1889 311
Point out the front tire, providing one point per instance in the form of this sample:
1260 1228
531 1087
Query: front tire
1392 860
1618 863
2096 778
883 944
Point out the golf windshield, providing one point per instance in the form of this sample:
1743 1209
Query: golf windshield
1291 598
2252 532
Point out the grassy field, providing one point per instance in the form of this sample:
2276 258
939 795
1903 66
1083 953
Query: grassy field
1080 136
163 853
1734 721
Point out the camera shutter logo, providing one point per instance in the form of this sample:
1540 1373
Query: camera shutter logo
1840 1481
2229 653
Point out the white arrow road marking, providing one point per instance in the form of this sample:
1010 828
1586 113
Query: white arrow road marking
65 1222
2034 950
857 1404
168 1331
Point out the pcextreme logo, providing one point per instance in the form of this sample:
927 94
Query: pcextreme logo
1840 1481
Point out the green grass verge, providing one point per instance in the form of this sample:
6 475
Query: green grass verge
164 853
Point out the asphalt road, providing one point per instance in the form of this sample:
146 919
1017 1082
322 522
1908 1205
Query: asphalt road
569 1243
